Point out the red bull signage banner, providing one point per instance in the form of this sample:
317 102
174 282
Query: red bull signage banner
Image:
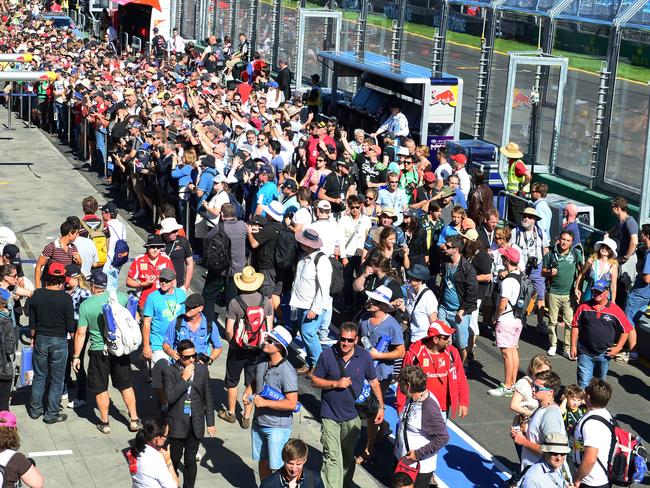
444 95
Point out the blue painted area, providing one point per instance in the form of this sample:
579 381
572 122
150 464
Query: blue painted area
459 464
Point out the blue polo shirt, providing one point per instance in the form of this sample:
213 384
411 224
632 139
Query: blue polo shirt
266 194
205 185
199 338
338 404
163 308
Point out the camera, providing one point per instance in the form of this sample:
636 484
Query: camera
531 264
203 358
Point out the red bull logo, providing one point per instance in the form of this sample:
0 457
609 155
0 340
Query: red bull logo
443 97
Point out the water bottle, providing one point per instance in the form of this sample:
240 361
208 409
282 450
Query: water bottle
269 393
382 346
366 343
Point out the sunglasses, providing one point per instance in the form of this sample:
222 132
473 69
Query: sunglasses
348 340
272 342
353 207
188 356
449 246
165 281
558 453
538 388
370 198
444 337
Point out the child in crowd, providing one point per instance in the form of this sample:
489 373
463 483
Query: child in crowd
573 409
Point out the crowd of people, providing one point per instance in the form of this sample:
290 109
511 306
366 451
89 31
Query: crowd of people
385 260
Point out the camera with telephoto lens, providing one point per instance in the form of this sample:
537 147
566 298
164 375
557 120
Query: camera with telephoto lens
531 264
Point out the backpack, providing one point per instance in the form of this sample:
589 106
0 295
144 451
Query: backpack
627 456
239 210
250 330
526 294
99 239
286 249
121 251
122 333
336 285
5 458
179 323
216 249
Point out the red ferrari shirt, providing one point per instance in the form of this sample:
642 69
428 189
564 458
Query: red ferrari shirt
143 269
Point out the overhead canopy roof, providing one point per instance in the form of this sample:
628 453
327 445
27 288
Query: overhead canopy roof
401 72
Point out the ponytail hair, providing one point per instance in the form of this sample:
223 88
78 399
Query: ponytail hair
151 428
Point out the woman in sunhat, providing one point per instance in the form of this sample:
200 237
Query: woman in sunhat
601 265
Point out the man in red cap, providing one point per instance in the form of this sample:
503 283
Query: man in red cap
460 170
507 326
442 363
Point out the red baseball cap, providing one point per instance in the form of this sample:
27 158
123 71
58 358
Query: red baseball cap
429 177
56 269
438 327
459 158
511 254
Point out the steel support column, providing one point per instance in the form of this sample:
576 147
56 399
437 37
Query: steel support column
399 29
275 18
362 22
442 32
233 15
644 201
253 26
490 36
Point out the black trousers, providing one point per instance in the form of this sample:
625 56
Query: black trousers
5 394
186 448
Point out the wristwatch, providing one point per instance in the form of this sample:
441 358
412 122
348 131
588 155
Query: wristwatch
381 407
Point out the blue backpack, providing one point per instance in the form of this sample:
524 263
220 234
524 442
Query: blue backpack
239 209
121 252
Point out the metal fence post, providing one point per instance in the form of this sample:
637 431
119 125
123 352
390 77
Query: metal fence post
9 111
29 110
85 130
69 126
187 219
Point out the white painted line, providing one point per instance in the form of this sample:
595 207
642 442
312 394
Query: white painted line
477 447
65 452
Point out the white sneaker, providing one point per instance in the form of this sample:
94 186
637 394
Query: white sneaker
76 403
501 391
552 350
64 397
199 454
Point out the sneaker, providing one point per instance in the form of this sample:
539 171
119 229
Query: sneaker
501 391
622 357
140 213
229 417
77 403
551 351
64 397
59 418
567 354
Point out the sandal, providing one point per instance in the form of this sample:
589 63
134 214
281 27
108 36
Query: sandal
104 427
135 425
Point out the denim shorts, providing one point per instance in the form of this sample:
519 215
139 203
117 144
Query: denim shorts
268 443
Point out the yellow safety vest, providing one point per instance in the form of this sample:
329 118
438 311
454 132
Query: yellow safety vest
514 181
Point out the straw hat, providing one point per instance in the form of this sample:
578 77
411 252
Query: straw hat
531 212
248 279
511 151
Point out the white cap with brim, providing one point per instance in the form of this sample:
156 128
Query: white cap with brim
381 294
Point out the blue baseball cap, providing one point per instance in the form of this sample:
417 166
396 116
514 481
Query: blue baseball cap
600 285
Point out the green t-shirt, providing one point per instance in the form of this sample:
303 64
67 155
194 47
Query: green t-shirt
566 265
92 317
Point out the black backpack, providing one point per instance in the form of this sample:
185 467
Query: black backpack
286 249
336 285
526 294
216 250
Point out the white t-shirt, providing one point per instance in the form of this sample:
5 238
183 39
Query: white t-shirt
419 318
595 434
328 231
510 288
465 181
303 216
88 253
524 387
443 171
216 202
152 471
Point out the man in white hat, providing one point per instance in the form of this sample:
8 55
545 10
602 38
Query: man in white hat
179 250
310 298
550 472
272 418
379 328
534 246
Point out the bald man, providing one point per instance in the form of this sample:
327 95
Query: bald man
571 224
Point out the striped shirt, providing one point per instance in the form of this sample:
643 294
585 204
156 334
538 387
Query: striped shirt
56 254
